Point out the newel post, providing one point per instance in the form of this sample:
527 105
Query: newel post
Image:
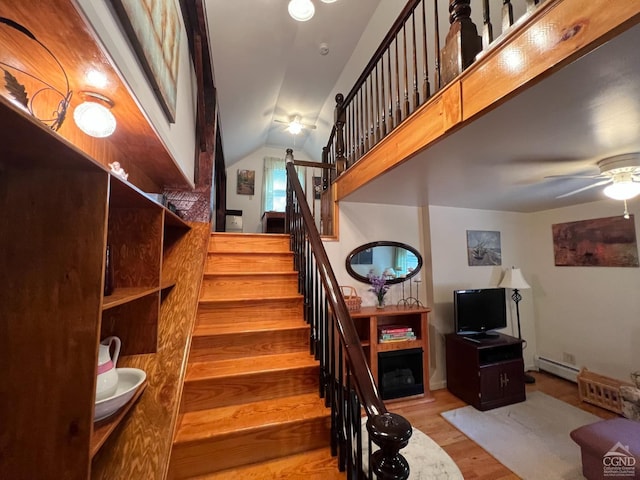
340 119
462 44
390 432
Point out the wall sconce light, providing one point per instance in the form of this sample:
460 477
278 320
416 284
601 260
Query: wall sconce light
93 116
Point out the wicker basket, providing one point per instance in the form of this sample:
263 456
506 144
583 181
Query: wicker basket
600 390
351 298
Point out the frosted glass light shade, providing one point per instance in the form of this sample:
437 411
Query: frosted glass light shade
295 127
94 119
622 190
513 279
301 10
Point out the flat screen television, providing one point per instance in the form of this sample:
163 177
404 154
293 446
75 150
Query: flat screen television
479 311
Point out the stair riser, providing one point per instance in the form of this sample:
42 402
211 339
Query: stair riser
210 314
240 448
254 262
234 390
240 345
220 287
249 243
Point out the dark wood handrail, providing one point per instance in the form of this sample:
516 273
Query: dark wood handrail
366 388
389 431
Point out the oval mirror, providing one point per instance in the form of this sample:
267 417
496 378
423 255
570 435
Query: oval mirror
396 261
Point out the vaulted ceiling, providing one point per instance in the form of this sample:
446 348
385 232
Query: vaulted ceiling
268 67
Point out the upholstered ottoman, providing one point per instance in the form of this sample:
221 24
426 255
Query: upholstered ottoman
610 449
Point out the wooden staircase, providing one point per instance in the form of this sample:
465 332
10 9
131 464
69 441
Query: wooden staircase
250 405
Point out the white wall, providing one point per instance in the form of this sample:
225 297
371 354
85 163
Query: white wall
178 137
362 223
251 205
592 313
451 271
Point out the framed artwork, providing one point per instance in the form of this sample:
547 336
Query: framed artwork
246 182
154 29
317 188
483 248
600 242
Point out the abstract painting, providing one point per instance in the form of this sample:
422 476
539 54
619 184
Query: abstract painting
246 182
483 248
600 242
154 30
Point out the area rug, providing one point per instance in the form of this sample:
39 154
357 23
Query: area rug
530 438
427 460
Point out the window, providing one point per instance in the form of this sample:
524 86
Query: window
274 196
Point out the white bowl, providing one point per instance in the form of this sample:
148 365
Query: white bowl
129 379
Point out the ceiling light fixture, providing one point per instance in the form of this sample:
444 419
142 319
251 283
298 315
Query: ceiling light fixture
295 127
301 10
623 187
93 116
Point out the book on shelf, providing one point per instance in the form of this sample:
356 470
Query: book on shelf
397 335
403 338
395 329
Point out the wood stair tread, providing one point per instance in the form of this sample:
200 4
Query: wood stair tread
249 365
254 274
249 300
312 465
236 419
248 326
249 254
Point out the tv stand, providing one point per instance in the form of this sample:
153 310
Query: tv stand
486 371
481 335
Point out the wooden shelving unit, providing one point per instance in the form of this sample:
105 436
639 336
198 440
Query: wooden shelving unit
60 210
368 321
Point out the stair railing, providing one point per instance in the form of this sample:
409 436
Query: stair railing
346 382
409 67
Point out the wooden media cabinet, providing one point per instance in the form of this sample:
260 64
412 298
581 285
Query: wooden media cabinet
400 368
485 372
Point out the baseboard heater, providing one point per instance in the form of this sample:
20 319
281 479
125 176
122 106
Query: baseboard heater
560 369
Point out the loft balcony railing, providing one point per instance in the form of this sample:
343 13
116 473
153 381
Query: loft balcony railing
346 381
411 65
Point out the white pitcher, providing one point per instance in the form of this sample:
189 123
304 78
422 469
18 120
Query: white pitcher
107 375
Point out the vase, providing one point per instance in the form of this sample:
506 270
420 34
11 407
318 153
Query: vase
380 303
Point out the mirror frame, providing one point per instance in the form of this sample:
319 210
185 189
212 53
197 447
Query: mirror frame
382 243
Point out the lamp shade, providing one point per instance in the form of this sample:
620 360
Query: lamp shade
513 279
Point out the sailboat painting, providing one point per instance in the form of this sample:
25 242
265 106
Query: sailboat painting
483 248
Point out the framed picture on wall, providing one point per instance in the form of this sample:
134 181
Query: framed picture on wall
246 182
599 242
317 188
483 248
154 29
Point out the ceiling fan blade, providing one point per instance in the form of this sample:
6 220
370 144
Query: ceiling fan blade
281 121
575 176
573 192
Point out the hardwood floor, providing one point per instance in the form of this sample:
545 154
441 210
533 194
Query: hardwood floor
473 461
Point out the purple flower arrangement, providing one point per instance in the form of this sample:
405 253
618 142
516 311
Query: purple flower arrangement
379 287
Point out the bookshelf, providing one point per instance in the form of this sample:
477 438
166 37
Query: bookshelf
400 354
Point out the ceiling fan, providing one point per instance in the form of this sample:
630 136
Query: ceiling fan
295 126
621 174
